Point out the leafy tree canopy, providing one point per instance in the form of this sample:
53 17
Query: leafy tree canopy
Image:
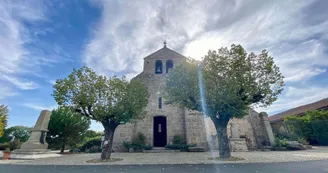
105 100
3 118
223 85
230 80
111 101
20 132
66 127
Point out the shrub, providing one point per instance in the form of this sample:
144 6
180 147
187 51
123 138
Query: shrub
182 147
4 146
127 145
281 143
140 140
16 144
96 141
148 147
177 139
93 149
313 125
302 141
137 143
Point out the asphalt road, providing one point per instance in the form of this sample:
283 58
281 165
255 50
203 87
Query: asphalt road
299 167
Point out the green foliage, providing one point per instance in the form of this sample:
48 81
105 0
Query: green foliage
223 85
66 127
111 101
137 143
177 139
100 98
92 134
281 143
182 147
93 149
302 141
20 132
16 144
232 80
3 146
313 125
7 150
3 119
96 141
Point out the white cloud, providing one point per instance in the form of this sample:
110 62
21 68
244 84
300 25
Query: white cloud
294 32
296 96
96 126
17 60
19 83
52 82
39 107
304 74
6 91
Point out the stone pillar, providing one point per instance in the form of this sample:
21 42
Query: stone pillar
36 145
267 127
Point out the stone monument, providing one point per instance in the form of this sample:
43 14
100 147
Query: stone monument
36 146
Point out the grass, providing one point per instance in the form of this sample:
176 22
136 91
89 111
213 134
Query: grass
104 161
232 158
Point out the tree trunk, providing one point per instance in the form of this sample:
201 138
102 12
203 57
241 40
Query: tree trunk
62 149
221 129
108 141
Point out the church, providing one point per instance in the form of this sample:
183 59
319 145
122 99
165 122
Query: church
162 121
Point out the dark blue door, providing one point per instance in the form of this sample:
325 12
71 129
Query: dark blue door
159 131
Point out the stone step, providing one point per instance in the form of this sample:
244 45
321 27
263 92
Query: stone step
161 151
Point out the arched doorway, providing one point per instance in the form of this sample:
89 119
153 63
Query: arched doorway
160 133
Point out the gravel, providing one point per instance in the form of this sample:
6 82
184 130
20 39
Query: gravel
318 153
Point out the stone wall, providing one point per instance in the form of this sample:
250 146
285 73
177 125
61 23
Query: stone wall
195 128
181 121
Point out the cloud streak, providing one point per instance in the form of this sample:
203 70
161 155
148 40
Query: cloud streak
293 31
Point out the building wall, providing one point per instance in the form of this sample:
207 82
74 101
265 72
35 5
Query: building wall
181 121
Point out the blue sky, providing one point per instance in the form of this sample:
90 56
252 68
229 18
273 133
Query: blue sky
41 41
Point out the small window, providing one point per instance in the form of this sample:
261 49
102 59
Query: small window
169 65
160 103
158 67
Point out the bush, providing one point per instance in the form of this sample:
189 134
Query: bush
138 143
93 149
127 145
302 141
177 139
4 146
313 126
148 147
281 143
16 144
182 147
96 141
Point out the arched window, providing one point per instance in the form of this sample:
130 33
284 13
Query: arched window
169 65
158 67
160 103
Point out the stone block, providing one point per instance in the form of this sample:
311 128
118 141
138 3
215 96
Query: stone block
238 144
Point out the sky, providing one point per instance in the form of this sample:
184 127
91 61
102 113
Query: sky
43 40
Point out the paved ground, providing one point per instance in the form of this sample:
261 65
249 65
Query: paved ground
320 153
299 167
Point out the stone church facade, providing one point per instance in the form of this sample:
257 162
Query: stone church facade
162 122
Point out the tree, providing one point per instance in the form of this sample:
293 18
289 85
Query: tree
3 118
110 101
223 85
313 126
92 134
66 128
20 132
